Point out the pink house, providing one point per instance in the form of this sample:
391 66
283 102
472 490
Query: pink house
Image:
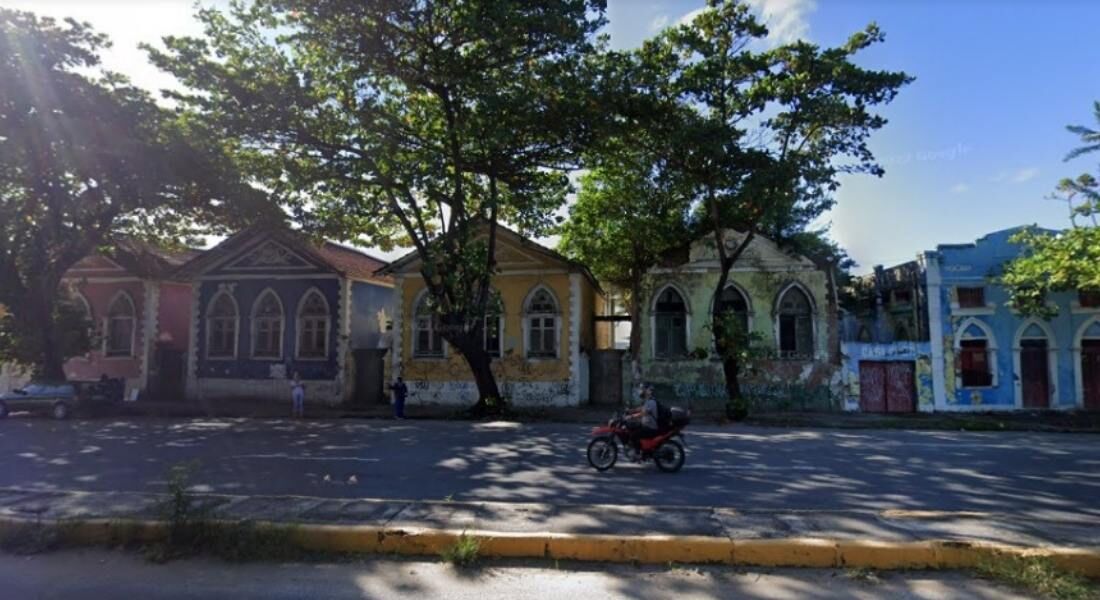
141 316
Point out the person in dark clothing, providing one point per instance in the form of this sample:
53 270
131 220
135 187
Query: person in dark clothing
400 391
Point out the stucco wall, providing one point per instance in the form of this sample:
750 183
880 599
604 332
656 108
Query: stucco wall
524 381
979 264
174 316
290 292
95 363
771 384
371 308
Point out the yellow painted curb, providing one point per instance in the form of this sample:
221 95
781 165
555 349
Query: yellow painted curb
788 552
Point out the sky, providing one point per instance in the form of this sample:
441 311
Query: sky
974 145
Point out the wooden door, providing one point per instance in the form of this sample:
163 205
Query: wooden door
1090 373
872 386
1035 373
605 377
900 387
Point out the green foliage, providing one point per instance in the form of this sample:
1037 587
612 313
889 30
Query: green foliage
464 552
22 341
1038 575
85 157
405 123
1067 260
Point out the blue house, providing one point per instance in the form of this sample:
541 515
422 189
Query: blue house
986 356
268 303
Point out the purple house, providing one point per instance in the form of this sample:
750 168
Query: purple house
268 303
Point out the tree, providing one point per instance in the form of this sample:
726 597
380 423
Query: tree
1068 260
84 157
629 211
402 121
769 133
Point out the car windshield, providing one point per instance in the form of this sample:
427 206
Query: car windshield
40 389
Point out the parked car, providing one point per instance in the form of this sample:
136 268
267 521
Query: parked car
61 399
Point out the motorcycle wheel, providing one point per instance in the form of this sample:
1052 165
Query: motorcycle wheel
602 453
669 457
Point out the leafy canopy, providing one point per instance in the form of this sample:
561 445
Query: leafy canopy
1064 261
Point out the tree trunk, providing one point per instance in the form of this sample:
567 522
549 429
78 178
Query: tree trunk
489 400
44 301
730 364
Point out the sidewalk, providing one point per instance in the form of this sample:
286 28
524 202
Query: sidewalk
896 526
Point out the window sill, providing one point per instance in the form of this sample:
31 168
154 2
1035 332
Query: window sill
221 358
979 311
266 358
311 358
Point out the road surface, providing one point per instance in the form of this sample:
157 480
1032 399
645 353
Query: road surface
735 466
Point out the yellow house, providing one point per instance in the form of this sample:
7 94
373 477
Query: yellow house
540 343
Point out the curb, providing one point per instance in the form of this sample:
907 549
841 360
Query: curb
655 549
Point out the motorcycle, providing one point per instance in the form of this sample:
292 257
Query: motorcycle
666 449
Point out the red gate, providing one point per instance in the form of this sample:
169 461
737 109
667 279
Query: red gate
1035 373
887 387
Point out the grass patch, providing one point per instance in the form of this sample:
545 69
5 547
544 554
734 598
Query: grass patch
1038 575
464 552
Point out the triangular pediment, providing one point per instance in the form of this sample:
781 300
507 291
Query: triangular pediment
97 262
269 255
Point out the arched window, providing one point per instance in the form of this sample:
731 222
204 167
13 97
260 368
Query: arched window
120 326
864 335
976 356
541 317
733 301
901 333
670 324
427 343
313 326
493 329
221 327
267 326
796 326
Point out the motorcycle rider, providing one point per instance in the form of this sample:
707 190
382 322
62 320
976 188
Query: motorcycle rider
644 419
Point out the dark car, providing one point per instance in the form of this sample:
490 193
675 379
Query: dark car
60 400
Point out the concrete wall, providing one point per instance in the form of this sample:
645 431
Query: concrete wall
919 353
99 295
978 264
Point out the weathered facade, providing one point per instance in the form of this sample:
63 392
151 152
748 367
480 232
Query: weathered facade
540 341
138 314
986 356
888 305
784 298
268 303
884 332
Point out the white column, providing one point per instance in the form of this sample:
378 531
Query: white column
150 306
575 337
397 337
934 283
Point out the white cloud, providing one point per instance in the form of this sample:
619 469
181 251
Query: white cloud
960 188
127 24
659 22
1026 174
1018 176
787 20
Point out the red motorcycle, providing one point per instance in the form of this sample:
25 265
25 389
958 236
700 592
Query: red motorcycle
668 453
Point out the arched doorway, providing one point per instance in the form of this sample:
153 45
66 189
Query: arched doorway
1089 366
1034 344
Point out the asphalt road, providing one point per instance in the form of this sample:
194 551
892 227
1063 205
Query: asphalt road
739 467
95 574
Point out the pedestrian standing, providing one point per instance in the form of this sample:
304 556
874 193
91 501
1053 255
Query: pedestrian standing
400 391
298 397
